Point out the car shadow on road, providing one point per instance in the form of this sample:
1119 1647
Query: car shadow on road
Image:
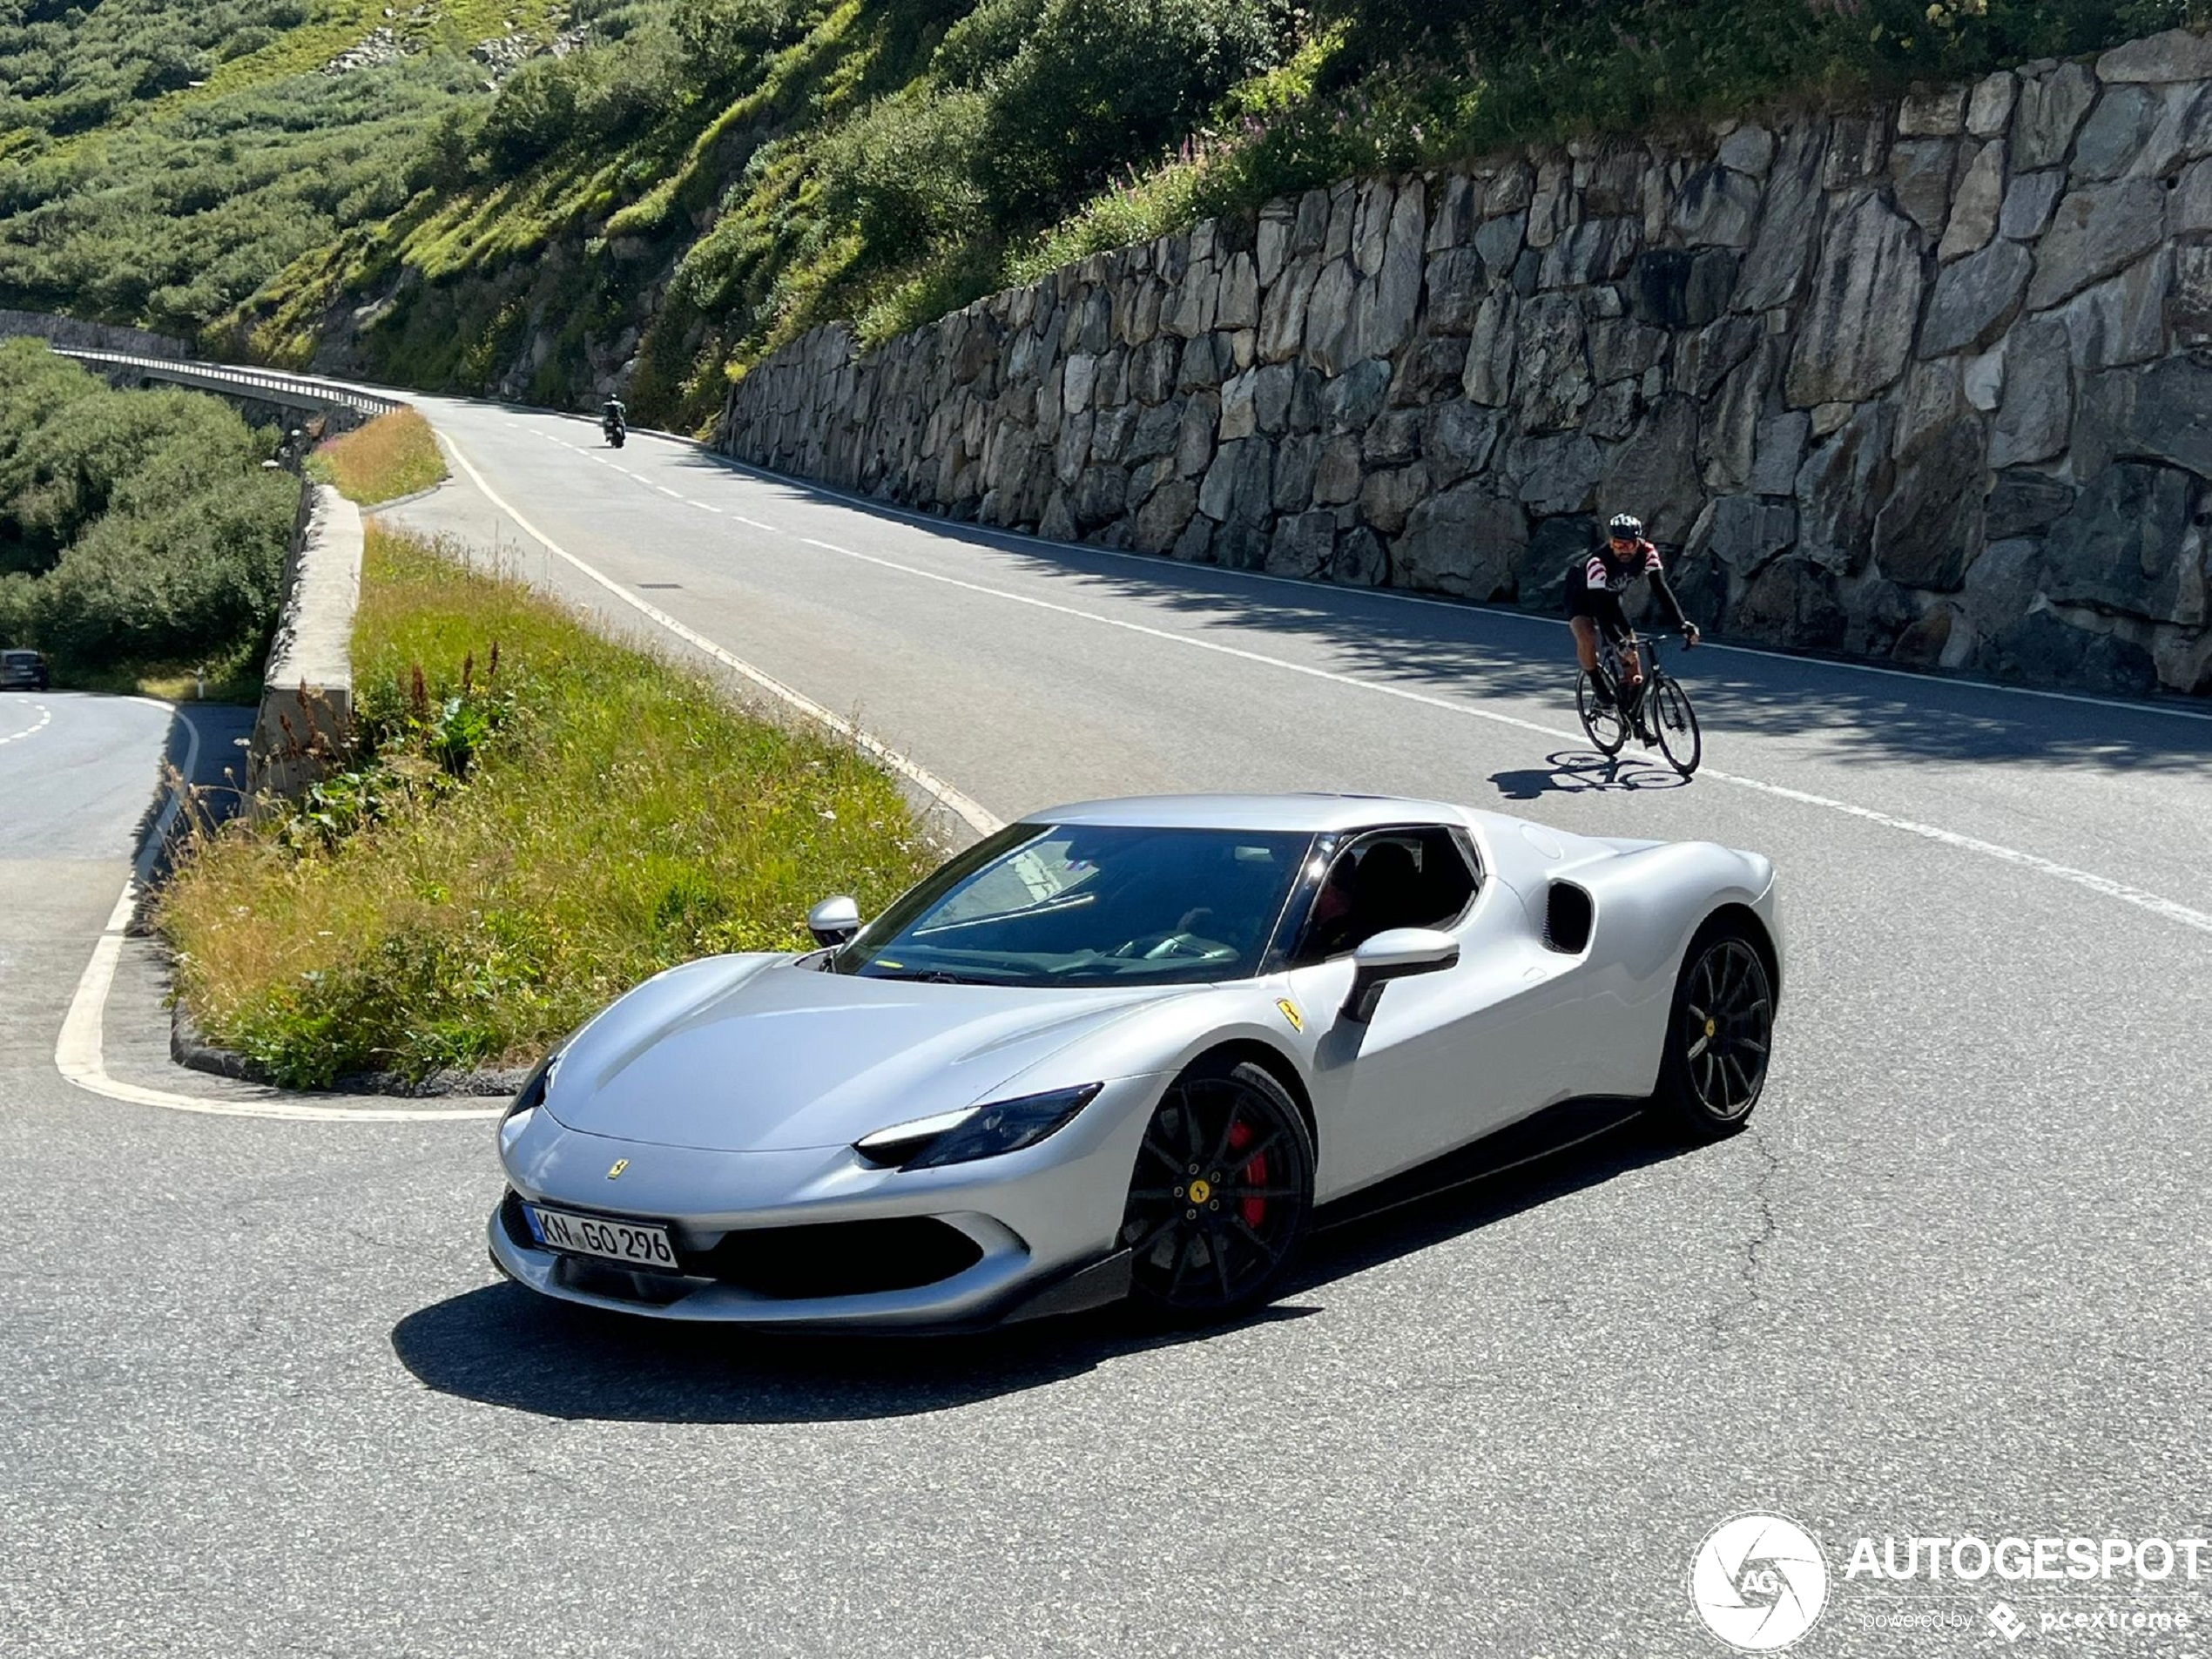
502 1345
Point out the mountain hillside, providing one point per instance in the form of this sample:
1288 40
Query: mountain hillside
551 200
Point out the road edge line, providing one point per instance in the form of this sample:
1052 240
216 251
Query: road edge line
969 810
80 1046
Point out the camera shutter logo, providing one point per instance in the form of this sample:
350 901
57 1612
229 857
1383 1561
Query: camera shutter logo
1759 1582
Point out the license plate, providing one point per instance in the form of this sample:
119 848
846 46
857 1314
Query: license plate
633 1244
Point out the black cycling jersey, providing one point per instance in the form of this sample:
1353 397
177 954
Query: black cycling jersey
1595 586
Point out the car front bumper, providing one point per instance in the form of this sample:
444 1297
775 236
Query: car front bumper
1040 1224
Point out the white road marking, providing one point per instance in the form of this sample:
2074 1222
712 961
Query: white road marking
2153 902
970 534
79 1051
45 715
972 812
705 506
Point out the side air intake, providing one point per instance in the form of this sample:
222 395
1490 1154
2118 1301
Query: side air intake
1568 914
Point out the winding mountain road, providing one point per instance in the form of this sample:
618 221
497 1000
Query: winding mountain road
265 1395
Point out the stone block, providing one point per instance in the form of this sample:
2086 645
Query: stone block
1774 268
1715 208
2030 200
2049 113
2177 54
1388 496
1940 113
1857 328
2036 411
1975 207
2130 543
1466 541
1990 111
1458 440
1931 523
1920 171
1552 364
1747 533
1976 299
1780 452
1558 475
1653 475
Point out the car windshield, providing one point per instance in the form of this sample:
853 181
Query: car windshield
1088 905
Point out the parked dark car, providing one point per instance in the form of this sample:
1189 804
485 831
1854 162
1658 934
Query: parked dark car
22 670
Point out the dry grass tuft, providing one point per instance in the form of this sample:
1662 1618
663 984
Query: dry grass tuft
394 454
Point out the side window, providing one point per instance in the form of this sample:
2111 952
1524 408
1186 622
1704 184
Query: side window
1397 878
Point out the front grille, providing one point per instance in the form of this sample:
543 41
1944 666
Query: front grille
604 1279
787 1263
838 1258
516 1224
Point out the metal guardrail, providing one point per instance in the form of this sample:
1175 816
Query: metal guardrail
294 386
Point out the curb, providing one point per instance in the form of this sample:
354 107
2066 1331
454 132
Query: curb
189 1048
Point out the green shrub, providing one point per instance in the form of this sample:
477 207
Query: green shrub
136 527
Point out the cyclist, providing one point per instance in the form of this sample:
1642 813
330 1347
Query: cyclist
1594 603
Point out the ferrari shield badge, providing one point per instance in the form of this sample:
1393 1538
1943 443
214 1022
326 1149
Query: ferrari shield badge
1291 1013
620 1164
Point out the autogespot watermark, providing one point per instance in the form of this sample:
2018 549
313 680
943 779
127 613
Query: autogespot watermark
1760 1583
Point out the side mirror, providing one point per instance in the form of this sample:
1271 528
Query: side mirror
1397 953
834 921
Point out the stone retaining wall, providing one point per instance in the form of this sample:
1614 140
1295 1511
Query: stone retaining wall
305 718
1931 383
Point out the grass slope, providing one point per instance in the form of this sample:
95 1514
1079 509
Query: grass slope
539 820
706 178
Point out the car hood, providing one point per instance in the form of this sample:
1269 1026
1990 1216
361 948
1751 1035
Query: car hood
747 1054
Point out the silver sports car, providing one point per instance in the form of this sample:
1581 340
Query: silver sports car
1123 1049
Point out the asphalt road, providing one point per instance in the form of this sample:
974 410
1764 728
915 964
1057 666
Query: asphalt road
263 1395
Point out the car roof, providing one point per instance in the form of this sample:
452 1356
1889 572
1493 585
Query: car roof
1310 814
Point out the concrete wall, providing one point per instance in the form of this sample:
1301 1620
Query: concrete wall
91 336
305 718
1930 383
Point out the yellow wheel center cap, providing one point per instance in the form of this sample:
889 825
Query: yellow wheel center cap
1200 1191
1711 1026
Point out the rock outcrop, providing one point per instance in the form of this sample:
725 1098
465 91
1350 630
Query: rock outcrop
1931 383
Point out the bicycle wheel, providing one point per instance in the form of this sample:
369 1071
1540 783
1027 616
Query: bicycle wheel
1601 718
1679 737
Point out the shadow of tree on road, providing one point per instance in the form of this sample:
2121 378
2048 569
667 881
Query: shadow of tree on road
1479 654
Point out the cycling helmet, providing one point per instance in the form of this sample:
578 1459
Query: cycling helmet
1625 527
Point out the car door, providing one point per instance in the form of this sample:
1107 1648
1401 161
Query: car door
1448 1056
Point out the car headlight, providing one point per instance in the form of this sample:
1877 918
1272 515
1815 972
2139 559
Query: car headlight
535 1087
976 1131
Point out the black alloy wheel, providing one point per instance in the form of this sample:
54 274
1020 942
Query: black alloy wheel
1670 711
1220 1196
1720 1036
1607 728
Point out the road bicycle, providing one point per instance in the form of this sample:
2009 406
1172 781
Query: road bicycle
1660 712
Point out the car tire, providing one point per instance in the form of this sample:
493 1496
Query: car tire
1220 1197
1720 1035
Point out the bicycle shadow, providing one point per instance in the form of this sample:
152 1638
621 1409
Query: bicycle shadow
1573 772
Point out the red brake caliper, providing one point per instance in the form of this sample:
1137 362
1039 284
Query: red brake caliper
1253 1174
